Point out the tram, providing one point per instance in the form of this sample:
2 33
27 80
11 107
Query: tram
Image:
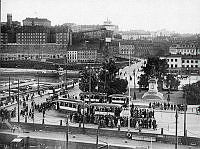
106 109
18 143
93 97
118 99
68 105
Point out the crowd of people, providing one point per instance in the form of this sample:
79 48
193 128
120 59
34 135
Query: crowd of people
7 114
166 106
140 118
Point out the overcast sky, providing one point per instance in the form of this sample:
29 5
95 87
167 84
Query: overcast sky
174 15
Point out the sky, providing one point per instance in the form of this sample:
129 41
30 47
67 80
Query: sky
181 16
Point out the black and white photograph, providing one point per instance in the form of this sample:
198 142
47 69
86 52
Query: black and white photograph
99 74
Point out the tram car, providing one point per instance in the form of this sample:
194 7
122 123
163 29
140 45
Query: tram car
118 99
106 109
67 105
93 97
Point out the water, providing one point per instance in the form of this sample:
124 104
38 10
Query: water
4 78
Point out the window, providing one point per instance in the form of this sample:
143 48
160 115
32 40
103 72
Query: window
171 65
188 61
191 61
171 60
196 61
192 66
183 66
196 66
183 61
175 60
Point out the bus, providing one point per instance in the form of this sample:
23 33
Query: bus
93 97
118 99
106 109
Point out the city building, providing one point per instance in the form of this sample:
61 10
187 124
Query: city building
109 26
85 55
72 56
181 64
80 28
63 35
183 49
36 22
134 35
32 35
126 48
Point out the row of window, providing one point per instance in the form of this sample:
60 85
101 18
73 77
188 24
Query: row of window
31 34
183 61
175 66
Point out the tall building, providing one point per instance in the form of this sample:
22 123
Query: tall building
32 35
36 22
9 19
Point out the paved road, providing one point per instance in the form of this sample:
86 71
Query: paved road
92 139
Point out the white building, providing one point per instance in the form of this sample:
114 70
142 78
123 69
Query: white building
183 49
182 63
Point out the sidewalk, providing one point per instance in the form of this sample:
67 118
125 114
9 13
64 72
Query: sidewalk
113 141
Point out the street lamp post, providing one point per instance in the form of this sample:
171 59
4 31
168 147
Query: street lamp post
18 104
176 116
168 97
105 84
129 103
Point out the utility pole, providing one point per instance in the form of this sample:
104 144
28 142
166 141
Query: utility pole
18 104
38 86
9 89
66 73
97 139
67 132
84 114
129 103
90 84
176 116
185 131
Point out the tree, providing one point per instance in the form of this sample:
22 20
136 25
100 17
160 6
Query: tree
192 93
155 67
85 83
103 81
172 82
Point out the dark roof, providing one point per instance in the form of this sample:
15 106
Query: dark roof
36 19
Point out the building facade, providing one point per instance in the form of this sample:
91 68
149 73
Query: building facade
181 64
36 22
184 49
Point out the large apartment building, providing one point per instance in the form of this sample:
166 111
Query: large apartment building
36 22
179 64
184 49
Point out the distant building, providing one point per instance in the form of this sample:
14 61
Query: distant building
82 28
43 35
135 36
183 49
87 55
9 19
63 35
138 48
126 48
109 26
36 22
181 64
32 35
